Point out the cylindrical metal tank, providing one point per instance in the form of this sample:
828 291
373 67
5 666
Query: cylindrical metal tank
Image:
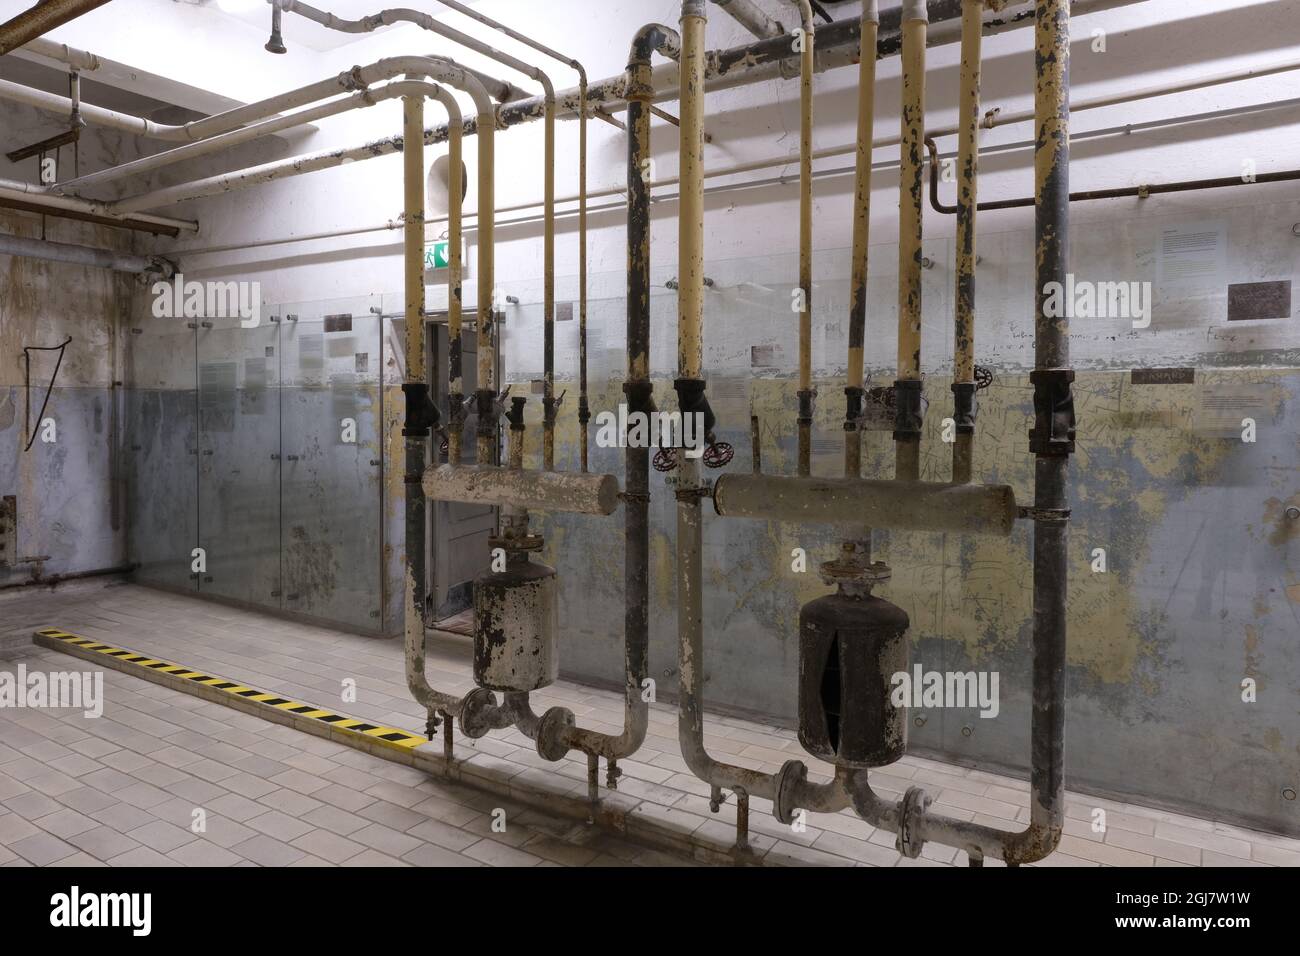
849 648
514 626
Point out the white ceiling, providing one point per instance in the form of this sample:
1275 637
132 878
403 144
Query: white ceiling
302 32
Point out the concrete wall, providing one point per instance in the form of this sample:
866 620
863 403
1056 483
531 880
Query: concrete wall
69 491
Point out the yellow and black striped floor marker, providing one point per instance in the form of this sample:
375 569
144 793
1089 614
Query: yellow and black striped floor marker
128 661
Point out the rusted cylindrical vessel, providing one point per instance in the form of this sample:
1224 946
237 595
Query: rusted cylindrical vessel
849 648
515 626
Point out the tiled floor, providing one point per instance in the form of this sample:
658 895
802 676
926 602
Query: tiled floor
124 789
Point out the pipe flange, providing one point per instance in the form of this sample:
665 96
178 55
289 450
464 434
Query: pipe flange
552 730
854 576
476 711
789 781
911 811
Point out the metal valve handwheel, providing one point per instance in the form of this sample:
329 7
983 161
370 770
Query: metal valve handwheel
718 454
665 459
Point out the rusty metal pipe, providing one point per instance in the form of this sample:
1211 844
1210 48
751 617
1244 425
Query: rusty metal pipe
804 43
968 121
41 19
749 16
854 387
907 426
881 503
572 493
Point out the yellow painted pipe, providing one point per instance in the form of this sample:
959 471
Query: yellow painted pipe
413 233
690 246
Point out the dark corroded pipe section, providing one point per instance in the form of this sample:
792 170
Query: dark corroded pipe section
963 379
907 424
574 493
1052 442
41 19
880 503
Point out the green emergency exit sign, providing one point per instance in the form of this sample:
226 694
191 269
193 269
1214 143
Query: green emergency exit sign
438 255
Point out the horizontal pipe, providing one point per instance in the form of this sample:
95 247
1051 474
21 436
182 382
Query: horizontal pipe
571 492
905 505
135 225
42 18
26 192
83 256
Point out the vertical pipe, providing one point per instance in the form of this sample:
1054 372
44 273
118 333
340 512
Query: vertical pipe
416 432
854 389
805 40
907 433
485 394
584 408
690 212
963 380
1051 440
548 286
455 277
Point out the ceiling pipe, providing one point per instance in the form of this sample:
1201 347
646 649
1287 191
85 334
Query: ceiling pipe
132 224
776 161
751 18
84 256
40 19
427 22
21 192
